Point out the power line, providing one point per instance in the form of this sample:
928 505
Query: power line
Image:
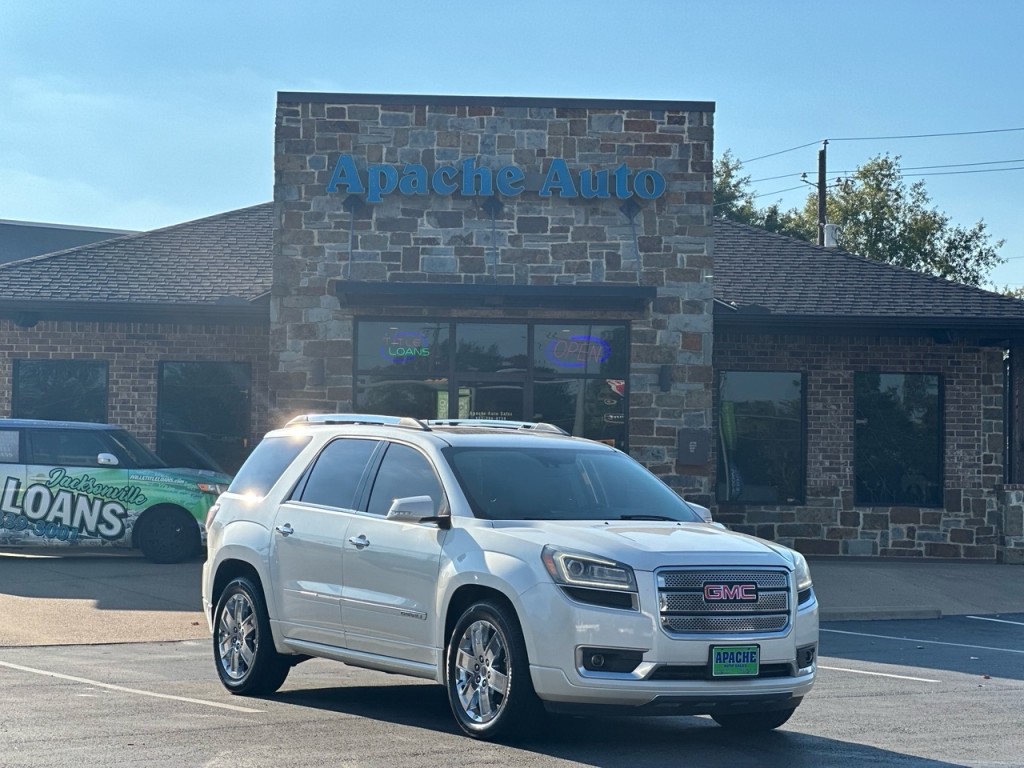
780 152
957 173
763 194
927 135
885 138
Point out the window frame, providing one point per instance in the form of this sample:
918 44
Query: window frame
801 497
940 410
16 386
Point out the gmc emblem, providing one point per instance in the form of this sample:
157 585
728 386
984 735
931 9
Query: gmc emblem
730 593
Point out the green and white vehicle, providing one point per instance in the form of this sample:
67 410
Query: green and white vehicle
74 484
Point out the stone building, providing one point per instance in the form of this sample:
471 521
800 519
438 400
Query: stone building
555 260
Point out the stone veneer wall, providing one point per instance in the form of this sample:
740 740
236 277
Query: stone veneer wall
1012 533
448 239
829 523
132 351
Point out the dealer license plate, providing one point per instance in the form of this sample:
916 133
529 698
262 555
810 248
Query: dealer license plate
735 660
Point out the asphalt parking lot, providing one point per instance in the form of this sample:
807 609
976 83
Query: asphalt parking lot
920 693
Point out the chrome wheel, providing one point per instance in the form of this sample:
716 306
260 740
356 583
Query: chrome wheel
481 671
243 647
237 636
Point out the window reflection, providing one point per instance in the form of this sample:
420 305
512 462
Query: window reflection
760 431
898 439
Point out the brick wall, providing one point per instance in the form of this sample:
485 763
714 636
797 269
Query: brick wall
532 241
132 351
829 523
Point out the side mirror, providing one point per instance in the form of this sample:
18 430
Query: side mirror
412 509
107 460
704 512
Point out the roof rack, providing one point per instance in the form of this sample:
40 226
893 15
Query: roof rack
533 426
359 418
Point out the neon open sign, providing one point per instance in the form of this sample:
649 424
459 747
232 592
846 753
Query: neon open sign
577 351
403 346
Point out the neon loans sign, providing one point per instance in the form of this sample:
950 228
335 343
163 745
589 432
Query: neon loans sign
471 180
403 346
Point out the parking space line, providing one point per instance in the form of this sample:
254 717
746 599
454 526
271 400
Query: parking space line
998 621
928 642
122 689
880 674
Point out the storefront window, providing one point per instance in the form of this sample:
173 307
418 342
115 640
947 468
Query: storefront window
897 444
760 437
572 375
402 348
490 347
599 350
65 390
203 415
420 399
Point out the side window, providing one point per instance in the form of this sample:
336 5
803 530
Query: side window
10 452
334 478
403 472
67 447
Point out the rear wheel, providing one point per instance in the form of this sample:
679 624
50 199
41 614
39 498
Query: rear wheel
754 721
167 535
243 648
488 674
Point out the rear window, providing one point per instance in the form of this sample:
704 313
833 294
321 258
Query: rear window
266 464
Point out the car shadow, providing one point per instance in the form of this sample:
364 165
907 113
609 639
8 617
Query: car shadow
111 581
604 742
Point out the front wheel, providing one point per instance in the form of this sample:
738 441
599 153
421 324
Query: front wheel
488 674
754 721
167 535
243 648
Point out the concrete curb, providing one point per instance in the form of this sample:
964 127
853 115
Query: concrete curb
877 614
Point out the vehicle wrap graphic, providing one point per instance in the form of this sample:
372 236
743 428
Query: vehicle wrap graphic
95 506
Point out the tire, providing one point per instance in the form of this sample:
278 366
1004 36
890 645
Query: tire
167 535
487 674
243 648
754 721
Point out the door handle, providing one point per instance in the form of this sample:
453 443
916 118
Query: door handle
285 530
360 541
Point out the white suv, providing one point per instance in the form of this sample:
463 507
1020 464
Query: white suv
521 568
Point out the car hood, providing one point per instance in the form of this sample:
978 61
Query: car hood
650 545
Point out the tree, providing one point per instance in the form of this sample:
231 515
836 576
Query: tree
879 217
734 200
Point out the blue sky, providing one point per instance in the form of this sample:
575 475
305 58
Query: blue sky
138 115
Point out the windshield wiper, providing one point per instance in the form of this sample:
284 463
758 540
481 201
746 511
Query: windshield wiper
648 517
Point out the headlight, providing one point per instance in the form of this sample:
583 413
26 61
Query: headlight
214 488
801 573
576 569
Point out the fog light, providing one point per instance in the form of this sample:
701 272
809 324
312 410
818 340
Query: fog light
610 659
805 656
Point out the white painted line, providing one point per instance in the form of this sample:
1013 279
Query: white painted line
122 689
880 674
928 642
1000 621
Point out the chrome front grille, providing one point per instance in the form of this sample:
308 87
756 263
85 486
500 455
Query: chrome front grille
686 607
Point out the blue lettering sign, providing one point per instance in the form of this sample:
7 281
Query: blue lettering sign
403 346
577 351
472 180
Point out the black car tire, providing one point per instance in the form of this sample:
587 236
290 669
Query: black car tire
167 535
243 647
487 674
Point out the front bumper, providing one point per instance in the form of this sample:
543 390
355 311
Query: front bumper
670 677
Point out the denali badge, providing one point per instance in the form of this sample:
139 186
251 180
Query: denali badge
730 593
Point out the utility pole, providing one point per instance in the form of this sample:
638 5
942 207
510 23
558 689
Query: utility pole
821 192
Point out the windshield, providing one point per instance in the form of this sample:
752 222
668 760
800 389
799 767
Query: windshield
131 453
565 483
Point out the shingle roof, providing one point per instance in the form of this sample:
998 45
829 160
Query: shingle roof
222 259
776 277
758 277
